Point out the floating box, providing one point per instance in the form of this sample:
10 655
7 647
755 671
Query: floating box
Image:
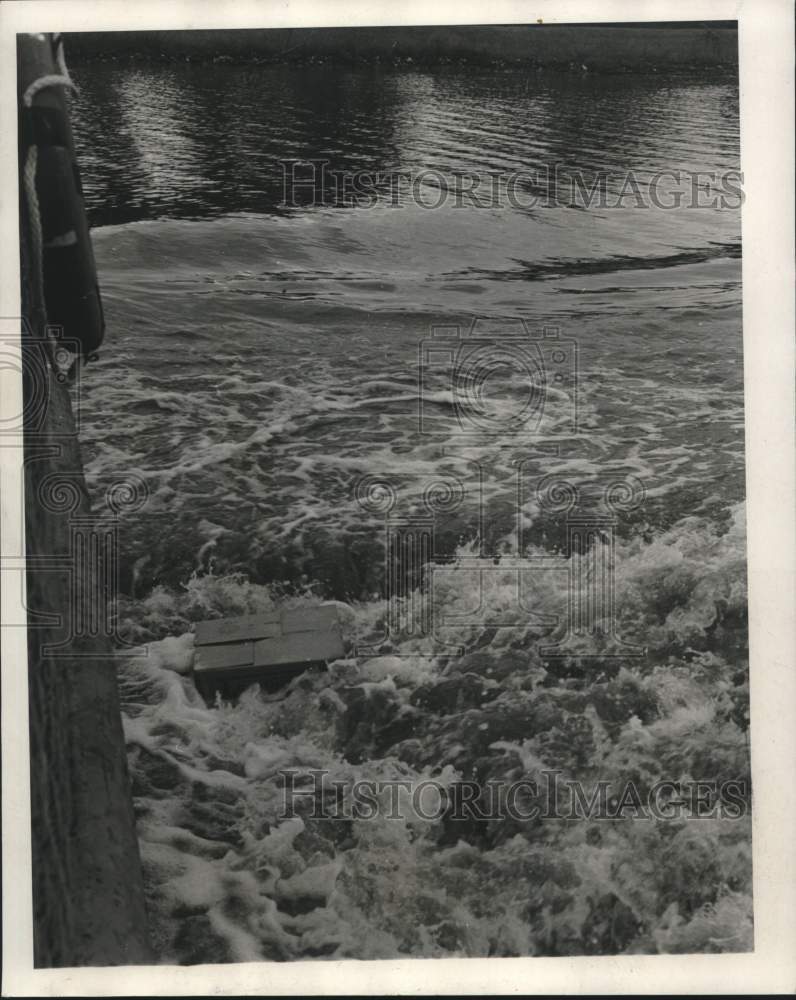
269 649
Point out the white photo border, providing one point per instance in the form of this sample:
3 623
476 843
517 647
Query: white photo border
767 161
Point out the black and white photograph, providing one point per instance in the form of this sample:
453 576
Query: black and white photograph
383 438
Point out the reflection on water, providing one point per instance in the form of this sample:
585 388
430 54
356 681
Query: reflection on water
196 141
260 360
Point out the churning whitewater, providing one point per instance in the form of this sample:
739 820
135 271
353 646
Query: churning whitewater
262 377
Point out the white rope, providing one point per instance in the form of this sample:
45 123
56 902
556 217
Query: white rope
29 183
59 79
50 80
58 42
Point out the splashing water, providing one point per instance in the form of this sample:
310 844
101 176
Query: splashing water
261 361
231 879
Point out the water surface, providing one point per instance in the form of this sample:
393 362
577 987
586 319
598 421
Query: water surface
262 358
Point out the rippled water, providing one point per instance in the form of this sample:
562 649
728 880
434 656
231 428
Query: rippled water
261 359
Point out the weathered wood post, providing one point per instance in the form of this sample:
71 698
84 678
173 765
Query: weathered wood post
88 900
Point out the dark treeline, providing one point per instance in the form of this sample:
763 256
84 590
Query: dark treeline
604 48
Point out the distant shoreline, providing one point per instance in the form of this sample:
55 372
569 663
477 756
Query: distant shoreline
583 48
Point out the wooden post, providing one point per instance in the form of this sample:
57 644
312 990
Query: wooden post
88 899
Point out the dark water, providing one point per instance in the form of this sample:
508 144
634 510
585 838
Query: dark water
204 141
261 359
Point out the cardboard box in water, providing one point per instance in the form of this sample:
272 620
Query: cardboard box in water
269 649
